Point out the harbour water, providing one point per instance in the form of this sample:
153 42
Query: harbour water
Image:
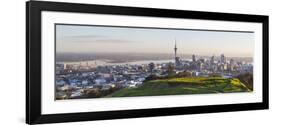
110 62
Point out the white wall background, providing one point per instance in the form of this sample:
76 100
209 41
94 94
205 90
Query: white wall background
12 64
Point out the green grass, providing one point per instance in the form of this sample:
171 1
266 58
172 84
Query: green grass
179 86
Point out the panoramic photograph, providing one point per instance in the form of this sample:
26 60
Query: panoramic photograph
112 61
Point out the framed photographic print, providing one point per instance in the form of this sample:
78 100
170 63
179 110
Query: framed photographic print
95 62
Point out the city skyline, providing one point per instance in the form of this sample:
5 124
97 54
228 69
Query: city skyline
98 39
131 75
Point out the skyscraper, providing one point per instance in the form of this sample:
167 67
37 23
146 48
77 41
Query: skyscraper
193 58
231 65
223 58
212 61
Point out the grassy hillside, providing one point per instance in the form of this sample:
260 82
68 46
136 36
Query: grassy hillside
188 85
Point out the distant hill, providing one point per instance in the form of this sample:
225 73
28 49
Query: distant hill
187 85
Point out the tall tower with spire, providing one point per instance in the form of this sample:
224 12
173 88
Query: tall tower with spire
175 49
177 59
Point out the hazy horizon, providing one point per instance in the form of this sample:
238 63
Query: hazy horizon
99 39
179 54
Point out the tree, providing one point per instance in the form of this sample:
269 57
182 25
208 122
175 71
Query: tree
170 69
151 67
184 74
247 79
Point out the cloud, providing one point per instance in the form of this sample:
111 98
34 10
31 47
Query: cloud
87 36
114 41
92 39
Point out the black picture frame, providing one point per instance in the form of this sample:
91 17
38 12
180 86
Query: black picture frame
34 63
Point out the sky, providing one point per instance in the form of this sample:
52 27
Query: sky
99 39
